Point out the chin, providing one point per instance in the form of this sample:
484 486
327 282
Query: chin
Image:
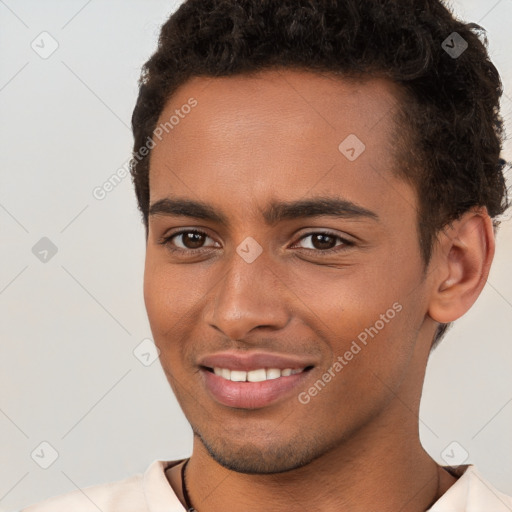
254 459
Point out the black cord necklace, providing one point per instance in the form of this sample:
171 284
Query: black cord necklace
186 497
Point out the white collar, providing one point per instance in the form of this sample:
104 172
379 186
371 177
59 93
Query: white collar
471 493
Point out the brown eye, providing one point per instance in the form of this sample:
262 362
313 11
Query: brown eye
192 239
187 240
323 242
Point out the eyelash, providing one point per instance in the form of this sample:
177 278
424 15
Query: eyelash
166 241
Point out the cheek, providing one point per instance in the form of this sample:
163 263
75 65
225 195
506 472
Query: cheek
371 341
388 341
161 295
154 294
369 316
174 297
165 313
163 284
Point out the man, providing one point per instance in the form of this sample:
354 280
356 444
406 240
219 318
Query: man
319 181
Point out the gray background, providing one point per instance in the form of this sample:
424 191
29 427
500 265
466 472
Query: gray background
69 326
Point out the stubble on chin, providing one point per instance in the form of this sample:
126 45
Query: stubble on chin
250 459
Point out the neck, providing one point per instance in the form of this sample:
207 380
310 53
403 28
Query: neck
359 475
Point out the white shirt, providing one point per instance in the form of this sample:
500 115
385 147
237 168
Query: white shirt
151 492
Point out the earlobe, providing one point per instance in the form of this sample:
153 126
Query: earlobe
462 262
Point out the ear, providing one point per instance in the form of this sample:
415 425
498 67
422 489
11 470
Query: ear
461 264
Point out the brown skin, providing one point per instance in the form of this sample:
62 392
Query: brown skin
275 137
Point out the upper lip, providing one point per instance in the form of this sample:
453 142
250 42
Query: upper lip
248 361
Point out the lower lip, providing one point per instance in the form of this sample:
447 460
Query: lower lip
251 395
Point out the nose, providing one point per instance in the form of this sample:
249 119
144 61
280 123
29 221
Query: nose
250 296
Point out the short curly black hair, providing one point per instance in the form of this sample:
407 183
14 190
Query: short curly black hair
449 129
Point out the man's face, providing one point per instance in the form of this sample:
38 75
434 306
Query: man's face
266 287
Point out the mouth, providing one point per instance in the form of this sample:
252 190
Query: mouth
253 380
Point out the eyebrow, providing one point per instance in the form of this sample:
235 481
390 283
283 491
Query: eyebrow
276 211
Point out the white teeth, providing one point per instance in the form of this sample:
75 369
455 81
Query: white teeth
273 373
238 375
259 375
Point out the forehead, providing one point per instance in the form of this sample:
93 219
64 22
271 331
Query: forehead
282 133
